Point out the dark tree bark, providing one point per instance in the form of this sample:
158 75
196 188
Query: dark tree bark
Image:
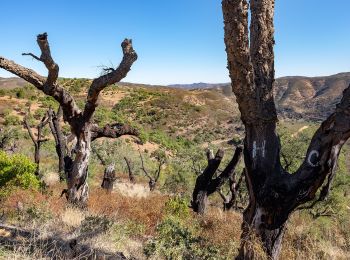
79 121
131 174
206 184
38 140
54 123
274 193
230 201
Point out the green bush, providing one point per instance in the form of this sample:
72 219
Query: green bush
175 240
20 93
177 207
12 120
17 171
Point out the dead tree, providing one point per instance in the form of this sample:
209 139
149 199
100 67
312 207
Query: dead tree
38 140
130 172
81 122
206 184
109 178
153 179
230 200
60 140
109 173
274 193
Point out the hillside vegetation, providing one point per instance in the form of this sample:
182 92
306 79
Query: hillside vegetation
143 224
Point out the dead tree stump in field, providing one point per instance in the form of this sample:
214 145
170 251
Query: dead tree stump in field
206 184
109 178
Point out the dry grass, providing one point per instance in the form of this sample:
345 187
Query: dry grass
72 217
304 239
51 179
147 211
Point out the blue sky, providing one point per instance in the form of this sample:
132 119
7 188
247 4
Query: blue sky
178 41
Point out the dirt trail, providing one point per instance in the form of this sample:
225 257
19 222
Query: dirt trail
300 130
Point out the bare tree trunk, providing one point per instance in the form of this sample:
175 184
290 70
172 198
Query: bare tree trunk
273 193
108 178
131 174
37 141
54 123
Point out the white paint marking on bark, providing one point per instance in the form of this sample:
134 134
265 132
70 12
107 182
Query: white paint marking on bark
313 152
254 149
263 148
257 218
259 148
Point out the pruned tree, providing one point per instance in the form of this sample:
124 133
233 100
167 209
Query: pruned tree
206 184
153 178
80 121
38 139
274 193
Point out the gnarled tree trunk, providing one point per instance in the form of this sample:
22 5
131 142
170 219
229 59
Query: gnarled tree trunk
274 193
79 121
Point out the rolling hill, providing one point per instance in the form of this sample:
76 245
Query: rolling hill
311 98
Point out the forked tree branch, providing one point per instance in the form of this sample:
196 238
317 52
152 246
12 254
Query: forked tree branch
98 84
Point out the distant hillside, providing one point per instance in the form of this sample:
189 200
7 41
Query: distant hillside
11 83
299 97
198 85
312 98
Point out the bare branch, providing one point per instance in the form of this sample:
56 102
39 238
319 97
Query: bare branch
128 164
28 75
46 58
115 130
98 84
143 167
227 173
30 132
32 55
99 156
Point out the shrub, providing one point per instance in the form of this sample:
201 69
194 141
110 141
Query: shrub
17 171
175 240
177 207
12 120
20 93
